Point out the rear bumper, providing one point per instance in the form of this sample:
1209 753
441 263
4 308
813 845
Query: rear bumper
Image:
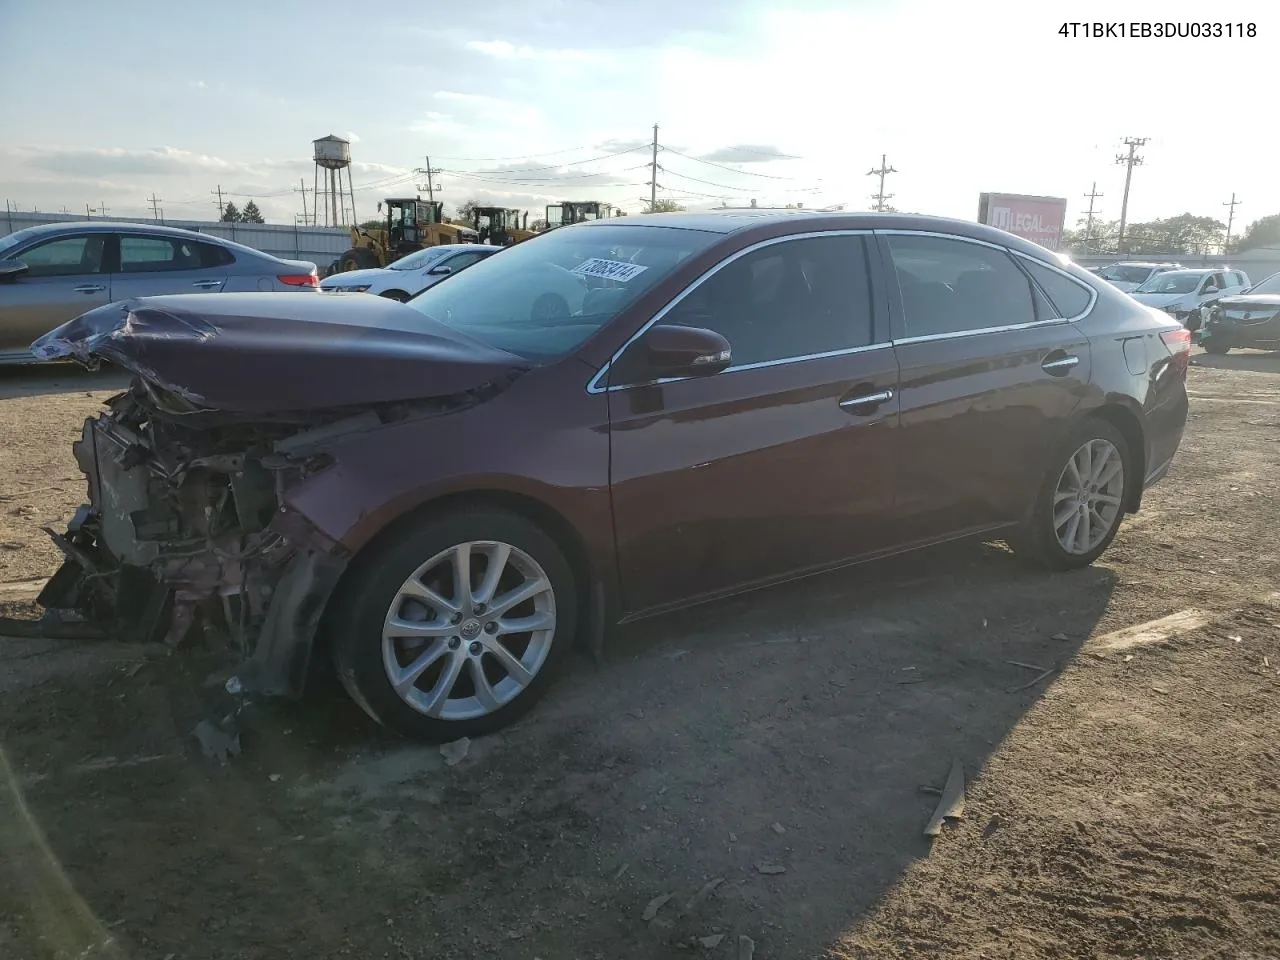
1165 426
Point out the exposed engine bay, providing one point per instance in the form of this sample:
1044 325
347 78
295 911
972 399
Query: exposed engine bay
184 532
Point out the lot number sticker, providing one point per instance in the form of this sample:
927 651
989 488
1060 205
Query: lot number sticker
610 269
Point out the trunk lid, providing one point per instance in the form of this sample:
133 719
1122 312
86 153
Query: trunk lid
266 353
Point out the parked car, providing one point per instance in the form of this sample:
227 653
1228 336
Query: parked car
1249 319
52 273
443 494
1130 275
411 274
1180 293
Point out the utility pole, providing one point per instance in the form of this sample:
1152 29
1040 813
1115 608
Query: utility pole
302 189
1231 216
429 172
880 197
1093 194
88 212
221 208
653 173
103 207
155 208
1130 161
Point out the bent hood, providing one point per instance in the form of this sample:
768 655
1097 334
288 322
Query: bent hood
268 353
1247 300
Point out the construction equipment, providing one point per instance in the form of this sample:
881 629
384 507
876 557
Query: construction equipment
499 227
412 223
563 214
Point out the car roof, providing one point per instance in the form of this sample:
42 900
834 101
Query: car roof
116 226
738 220
1199 271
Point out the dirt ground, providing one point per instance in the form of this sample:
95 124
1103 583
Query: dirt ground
759 762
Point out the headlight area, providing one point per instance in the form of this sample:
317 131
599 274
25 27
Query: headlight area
185 539
353 288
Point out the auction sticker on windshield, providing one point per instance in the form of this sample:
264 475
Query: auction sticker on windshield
610 269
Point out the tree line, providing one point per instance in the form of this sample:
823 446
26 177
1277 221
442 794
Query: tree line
250 213
1183 234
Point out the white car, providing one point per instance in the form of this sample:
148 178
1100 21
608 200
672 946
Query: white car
1128 275
1182 292
411 274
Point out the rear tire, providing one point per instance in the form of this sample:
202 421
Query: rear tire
1214 345
1072 524
415 646
358 258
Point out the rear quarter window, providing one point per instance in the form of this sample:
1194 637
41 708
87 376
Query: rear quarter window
212 255
1069 297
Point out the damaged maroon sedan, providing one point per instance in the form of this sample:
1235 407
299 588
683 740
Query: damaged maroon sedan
608 421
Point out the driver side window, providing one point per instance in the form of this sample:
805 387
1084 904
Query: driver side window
65 257
786 300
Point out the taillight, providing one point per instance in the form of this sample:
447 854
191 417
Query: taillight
1178 343
300 280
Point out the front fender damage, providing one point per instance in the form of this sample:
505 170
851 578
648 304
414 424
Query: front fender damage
187 537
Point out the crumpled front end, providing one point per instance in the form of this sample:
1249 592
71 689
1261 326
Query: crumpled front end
184 535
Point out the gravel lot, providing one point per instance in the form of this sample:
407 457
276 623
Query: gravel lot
758 761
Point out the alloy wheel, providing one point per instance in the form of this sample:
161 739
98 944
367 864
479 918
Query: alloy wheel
1088 499
469 630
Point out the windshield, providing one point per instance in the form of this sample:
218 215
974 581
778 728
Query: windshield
419 258
1121 273
14 240
1171 283
543 297
1269 285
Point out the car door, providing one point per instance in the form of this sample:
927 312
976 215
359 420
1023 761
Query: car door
781 463
154 265
65 277
990 373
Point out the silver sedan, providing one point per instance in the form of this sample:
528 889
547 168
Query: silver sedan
53 273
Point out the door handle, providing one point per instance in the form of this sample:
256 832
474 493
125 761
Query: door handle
89 288
207 284
1059 367
868 400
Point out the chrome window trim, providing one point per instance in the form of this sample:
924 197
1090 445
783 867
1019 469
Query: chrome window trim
1003 328
593 386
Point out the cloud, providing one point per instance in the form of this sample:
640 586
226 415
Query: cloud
352 137
475 109
621 145
505 50
747 153
96 161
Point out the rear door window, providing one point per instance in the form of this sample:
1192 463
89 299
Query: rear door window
952 286
154 254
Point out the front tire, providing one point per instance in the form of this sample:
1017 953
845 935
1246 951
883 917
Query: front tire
454 628
1082 501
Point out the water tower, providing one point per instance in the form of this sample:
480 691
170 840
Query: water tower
333 155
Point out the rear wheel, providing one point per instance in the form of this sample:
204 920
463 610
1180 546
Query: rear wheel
455 627
1082 501
1214 345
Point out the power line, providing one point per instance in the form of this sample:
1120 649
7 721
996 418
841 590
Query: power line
1093 194
712 163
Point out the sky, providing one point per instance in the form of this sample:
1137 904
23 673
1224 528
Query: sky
522 103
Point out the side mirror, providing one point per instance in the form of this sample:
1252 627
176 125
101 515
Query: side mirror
677 351
11 270
440 271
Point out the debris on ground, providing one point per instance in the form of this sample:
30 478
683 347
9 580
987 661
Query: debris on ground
654 905
992 826
1033 681
951 804
1024 666
219 741
711 942
746 948
770 869
704 891
778 829
455 751
1060 637
274 778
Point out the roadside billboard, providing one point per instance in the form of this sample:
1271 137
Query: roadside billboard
1038 219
